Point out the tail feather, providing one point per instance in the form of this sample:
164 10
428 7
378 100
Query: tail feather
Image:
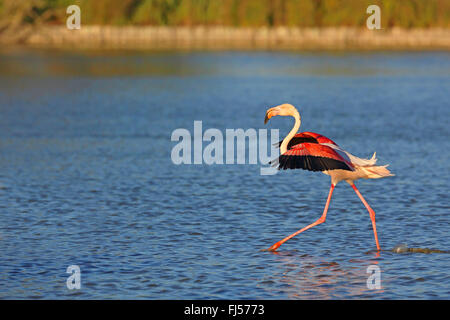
360 162
375 172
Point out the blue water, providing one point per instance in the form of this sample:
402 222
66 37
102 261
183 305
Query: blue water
86 176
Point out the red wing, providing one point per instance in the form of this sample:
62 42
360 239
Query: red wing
315 150
313 157
320 138
307 137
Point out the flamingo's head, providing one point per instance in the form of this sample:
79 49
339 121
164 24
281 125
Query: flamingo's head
285 109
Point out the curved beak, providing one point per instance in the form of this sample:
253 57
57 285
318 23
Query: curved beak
270 113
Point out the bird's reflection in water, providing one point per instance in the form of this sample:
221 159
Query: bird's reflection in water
304 276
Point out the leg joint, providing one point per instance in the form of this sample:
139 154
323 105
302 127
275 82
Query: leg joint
321 219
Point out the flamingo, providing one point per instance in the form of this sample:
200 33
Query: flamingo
315 152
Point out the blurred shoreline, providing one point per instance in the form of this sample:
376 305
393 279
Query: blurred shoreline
228 38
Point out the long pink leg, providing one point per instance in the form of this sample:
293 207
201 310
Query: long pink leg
319 221
372 214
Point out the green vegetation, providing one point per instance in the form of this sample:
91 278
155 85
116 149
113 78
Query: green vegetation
245 13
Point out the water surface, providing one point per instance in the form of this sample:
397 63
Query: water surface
86 176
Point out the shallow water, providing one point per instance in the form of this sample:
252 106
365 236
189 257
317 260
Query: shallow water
86 176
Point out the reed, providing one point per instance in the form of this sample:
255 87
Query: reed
235 13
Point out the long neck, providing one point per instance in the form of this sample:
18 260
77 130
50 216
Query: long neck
284 144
